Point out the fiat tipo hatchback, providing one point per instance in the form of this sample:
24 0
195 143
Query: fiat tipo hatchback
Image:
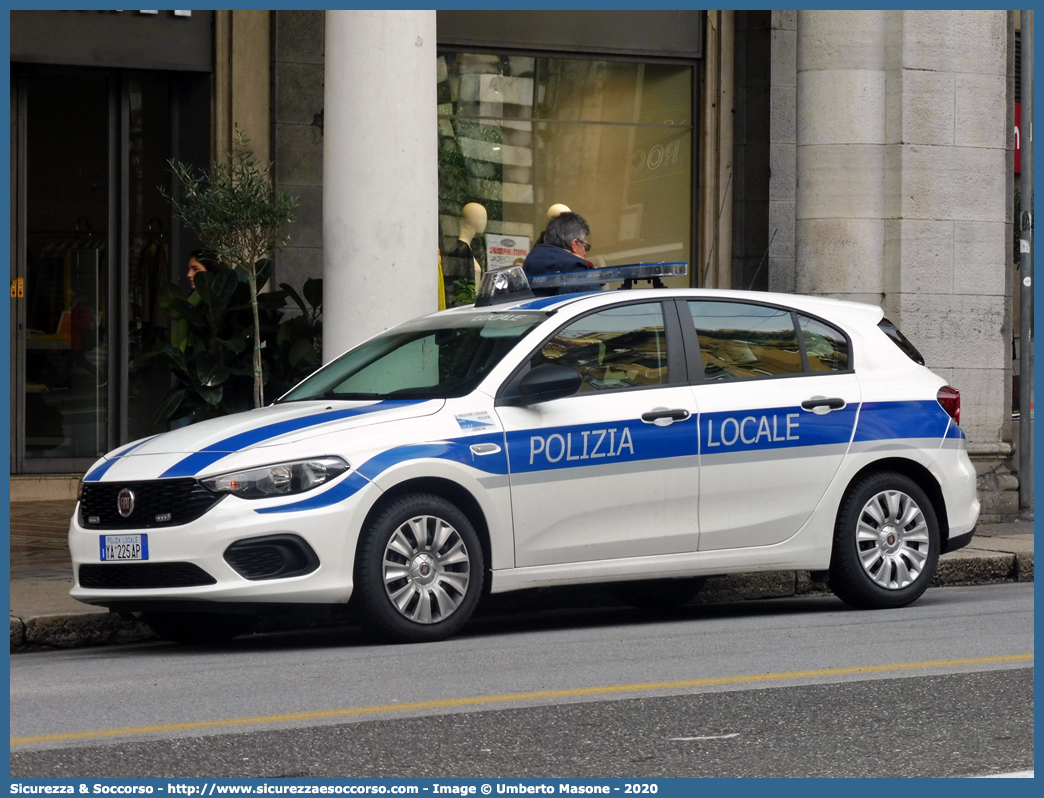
645 438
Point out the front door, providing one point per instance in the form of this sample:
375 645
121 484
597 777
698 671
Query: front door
611 471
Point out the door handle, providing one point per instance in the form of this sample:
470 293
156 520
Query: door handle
821 405
662 416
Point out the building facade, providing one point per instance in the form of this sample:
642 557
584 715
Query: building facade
863 155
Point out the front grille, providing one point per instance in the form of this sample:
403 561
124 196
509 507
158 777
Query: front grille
157 503
143 576
272 557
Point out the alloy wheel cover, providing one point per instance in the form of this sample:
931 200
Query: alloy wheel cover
426 569
892 540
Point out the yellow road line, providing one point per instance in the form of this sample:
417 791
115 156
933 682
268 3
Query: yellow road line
535 695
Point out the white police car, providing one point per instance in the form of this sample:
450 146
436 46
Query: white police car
647 438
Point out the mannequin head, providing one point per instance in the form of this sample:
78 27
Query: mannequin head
473 221
556 210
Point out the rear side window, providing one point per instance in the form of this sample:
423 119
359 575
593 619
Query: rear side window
901 341
826 347
742 341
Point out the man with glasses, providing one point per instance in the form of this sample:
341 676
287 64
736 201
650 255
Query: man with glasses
563 249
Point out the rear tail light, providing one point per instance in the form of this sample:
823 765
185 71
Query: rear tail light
950 399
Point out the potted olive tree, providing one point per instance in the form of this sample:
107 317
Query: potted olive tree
235 210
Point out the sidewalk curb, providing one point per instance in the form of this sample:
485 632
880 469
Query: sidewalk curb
50 632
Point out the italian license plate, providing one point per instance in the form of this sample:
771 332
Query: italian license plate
124 547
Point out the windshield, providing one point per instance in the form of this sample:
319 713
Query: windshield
437 357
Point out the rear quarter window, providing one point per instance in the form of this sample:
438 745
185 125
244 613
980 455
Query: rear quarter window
826 346
900 340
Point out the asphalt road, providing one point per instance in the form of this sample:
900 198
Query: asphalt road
774 688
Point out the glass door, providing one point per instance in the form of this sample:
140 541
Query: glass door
91 249
63 297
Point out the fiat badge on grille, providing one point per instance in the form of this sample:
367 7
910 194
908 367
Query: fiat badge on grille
125 502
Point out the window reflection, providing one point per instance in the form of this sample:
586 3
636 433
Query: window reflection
617 348
827 348
741 341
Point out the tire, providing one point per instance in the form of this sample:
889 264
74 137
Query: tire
198 628
886 543
658 595
419 570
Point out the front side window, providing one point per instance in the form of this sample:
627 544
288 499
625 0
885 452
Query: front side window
743 341
432 358
623 347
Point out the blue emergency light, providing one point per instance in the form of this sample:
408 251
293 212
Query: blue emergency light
511 284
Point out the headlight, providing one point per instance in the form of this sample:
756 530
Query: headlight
281 479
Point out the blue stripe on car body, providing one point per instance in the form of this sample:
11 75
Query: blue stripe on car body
550 301
455 449
890 420
555 448
97 473
647 442
774 428
197 461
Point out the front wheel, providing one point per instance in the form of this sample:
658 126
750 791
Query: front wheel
886 543
419 570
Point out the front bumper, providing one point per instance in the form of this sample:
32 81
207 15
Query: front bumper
330 532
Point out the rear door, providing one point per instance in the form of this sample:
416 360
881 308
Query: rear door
778 402
611 471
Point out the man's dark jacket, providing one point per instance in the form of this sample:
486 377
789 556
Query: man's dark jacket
549 259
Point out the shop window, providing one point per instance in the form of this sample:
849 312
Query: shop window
612 140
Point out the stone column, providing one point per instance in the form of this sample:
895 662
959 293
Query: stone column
904 187
380 174
840 206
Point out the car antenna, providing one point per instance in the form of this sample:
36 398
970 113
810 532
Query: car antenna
717 226
758 271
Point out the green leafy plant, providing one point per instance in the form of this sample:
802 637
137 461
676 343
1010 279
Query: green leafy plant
235 210
465 290
295 350
209 348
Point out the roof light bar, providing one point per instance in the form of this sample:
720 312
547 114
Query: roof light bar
502 285
511 284
611 274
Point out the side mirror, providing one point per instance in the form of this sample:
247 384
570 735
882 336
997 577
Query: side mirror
547 382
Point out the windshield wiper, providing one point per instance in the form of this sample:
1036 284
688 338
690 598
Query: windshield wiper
336 395
331 395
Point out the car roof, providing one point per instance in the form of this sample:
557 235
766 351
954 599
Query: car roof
827 307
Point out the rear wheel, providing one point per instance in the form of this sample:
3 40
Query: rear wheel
886 543
198 628
658 595
419 570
